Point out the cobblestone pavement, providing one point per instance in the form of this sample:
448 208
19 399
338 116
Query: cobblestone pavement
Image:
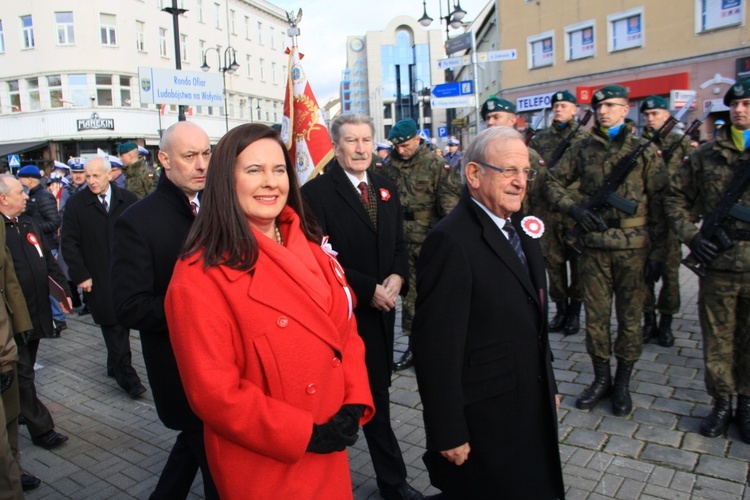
118 446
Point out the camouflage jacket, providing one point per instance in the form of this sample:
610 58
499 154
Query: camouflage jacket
698 185
139 179
590 161
546 141
420 182
665 143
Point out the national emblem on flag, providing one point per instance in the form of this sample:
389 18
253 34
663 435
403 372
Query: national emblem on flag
303 129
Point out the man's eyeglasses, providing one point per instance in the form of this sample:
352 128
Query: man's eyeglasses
529 173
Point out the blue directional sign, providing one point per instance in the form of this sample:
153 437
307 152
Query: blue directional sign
14 161
442 131
453 89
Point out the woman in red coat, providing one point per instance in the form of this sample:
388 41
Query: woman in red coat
260 318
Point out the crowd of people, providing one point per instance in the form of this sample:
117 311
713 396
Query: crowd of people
266 309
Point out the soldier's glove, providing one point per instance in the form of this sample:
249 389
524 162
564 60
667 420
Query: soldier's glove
588 219
703 249
653 271
6 380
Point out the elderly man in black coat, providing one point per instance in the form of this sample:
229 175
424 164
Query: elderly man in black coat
88 224
479 336
34 265
147 241
361 214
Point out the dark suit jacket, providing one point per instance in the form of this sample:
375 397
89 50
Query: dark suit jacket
368 256
483 360
86 237
147 240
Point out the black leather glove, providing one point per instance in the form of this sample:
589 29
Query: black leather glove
653 271
6 380
703 249
327 438
347 419
588 219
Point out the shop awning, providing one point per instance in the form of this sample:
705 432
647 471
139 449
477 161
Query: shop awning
20 147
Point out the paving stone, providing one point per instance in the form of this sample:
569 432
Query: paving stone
662 391
663 454
722 468
654 417
630 489
586 439
695 442
654 378
739 450
683 481
623 446
662 492
673 406
659 435
618 426
716 488
582 420
661 476
608 485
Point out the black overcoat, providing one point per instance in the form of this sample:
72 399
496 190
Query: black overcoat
147 240
86 237
34 263
367 255
483 360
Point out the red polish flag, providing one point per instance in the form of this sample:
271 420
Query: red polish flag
303 129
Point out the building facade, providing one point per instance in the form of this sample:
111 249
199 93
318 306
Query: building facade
650 47
389 74
69 71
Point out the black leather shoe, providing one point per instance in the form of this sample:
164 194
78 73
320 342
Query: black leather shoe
406 361
573 320
29 482
84 311
557 323
599 389
136 390
717 422
403 492
49 440
666 339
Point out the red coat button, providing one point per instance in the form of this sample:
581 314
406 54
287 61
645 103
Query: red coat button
311 389
282 321
335 362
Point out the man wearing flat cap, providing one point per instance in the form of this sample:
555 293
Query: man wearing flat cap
42 205
564 288
655 111
419 175
620 251
697 187
140 180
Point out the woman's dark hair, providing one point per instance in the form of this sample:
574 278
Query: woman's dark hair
221 230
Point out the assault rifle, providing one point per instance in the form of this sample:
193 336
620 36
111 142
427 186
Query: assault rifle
667 155
727 207
530 132
565 144
605 196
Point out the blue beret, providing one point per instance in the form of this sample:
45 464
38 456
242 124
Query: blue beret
30 171
654 102
740 90
609 92
402 131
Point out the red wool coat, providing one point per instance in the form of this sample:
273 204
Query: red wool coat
263 355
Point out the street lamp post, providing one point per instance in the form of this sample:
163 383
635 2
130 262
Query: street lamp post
228 67
417 95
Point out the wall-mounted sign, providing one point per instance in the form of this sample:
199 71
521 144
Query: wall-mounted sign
95 123
185 88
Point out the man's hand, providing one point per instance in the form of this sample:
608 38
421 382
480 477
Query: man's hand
381 300
86 285
393 284
457 455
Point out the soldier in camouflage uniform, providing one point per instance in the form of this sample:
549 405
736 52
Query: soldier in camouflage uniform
655 112
498 112
724 296
418 174
619 250
566 292
139 178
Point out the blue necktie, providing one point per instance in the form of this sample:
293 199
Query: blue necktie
104 202
515 242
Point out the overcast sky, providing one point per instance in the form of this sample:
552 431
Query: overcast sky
326 24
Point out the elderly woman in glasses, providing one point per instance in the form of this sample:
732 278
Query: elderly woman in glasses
260 315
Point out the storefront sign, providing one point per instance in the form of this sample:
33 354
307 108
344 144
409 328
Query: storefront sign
96 123
743 68
532 102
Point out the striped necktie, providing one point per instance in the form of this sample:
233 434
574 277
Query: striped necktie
515 242
104 202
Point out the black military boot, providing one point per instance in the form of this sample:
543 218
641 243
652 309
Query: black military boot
742 417
648 330
622 405
717 422
666 339
557 323
599 389
573 323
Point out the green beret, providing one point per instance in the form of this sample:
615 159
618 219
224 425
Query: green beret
740 90
654 102
609 92
494 103
402 131
564 96
125 147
